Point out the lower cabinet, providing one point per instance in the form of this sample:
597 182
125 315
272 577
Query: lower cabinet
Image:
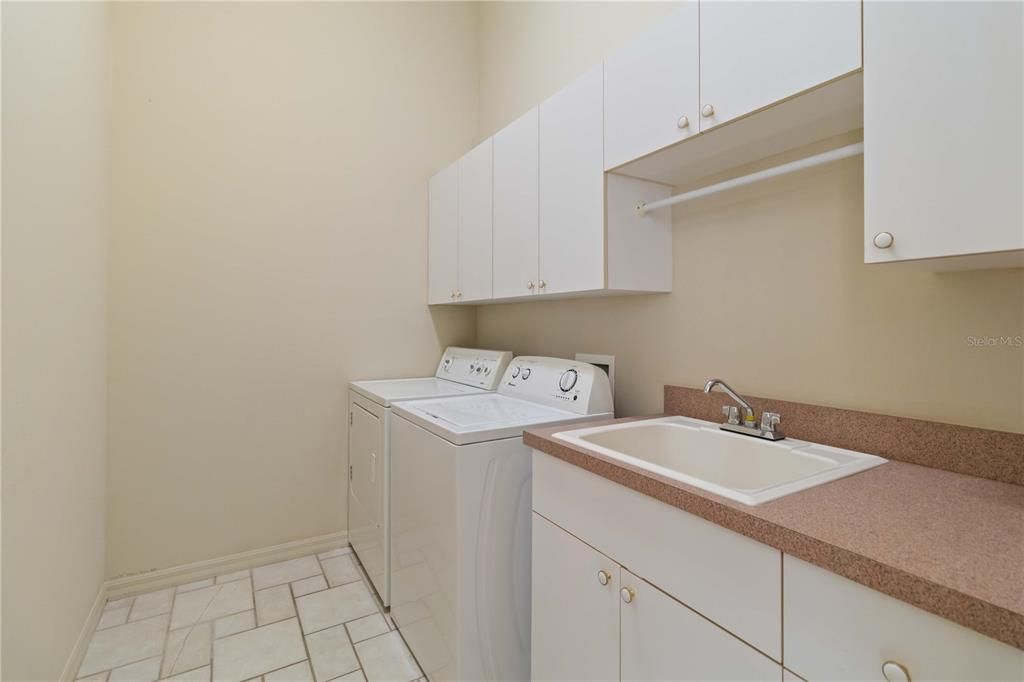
595 620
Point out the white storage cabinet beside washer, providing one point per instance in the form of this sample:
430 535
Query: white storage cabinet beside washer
461 505
461 371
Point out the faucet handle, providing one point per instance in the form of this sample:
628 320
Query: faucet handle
732 414
769 420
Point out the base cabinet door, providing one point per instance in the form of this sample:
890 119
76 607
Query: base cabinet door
365 494
575 610
663 640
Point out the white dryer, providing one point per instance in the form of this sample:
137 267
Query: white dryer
461 482
461 371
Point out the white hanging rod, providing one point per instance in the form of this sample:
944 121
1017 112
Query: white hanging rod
810 162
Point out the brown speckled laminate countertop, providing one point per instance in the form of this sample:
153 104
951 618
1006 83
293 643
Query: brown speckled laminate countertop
948 543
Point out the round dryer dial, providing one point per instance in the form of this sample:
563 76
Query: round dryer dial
568 380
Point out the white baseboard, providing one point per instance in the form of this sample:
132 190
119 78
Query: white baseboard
199 570
129 585
78 651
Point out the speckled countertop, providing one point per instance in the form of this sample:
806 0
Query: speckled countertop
948 543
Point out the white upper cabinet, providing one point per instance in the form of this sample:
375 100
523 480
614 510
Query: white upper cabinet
652 88
755 53
475 214
937 185
516 166
443 239
572 186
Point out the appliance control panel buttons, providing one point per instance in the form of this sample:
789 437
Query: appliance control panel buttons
515 371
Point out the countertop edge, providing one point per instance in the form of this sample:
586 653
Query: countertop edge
984 617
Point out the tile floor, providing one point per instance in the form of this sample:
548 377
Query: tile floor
311 618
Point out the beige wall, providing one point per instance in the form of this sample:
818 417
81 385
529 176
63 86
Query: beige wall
56 76
770 291
271 164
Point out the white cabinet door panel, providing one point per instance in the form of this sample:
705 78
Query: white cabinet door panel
755 53
836 629
575 632
663 640
443 239
516 166
475 214
572 186
942 184
650 85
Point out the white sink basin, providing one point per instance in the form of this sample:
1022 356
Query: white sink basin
741 468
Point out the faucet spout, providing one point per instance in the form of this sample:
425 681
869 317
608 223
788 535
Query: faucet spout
748 411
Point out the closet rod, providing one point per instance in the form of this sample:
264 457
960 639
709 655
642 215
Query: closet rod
810 162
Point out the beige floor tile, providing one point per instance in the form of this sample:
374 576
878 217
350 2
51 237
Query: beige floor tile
210 603
194 585
112 617
234 575
230 625
331 653
285 572
334 606
356 676
113 604
124 644
187 648
254 652
299 672
152 604
367 627
143 671
197 675
274 604
98 677
386 658
340 570
309 585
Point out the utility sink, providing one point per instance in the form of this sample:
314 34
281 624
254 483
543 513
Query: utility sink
742 468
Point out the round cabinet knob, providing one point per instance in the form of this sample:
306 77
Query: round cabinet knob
707 111
458 294
895 672
529 285
883 240
683 122
628 595
568 380
542 284
603 577
452 295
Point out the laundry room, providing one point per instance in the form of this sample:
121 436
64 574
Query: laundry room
512 340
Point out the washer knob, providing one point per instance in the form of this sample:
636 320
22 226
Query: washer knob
526 373
515 371
883 240
568 380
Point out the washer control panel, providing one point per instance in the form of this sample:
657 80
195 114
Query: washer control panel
473 367
567 384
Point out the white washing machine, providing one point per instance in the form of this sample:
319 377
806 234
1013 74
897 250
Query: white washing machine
461 371
461 482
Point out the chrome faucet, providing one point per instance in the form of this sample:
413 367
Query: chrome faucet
768 428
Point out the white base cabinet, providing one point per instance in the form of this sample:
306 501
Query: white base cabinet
628 587
595 620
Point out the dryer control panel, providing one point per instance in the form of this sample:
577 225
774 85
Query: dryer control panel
473 367
566 384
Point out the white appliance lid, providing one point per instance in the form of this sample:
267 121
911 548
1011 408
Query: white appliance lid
488 410
386 391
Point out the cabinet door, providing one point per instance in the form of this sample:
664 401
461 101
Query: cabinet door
475 200
941 186
663 640
755 53
572 186
652 89
575 633
515 207
443 239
